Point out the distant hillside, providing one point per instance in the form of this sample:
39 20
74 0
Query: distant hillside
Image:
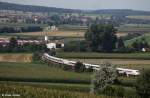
122 12
30 8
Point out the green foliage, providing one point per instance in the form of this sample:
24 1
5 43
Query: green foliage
105 75
119 91
146 37
77 46
37 56
14 47
102 37
39 92
34 72
114 91
120 43
79 67
7 29
94 55
131 36
143 84
138 45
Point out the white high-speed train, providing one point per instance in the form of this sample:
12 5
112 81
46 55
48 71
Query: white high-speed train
128 72
58 60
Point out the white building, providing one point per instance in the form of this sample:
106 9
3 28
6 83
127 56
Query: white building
55 45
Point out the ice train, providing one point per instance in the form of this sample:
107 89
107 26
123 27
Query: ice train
121 71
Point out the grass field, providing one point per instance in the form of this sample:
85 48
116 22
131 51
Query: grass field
17 57
94 55
39 73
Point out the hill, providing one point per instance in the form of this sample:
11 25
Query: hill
122 12
30 8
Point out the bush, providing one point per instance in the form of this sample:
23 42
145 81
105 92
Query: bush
114 91
76 46
67 68
79 67
90 69
143 84
37 56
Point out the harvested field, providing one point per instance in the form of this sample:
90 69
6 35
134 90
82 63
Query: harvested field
56 33
62 33
146 17
15 57
120 34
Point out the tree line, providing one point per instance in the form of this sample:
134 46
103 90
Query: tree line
13 46
20 29
103 38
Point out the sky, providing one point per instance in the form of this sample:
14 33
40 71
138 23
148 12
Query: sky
89 4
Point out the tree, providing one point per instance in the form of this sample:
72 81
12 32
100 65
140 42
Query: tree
13 42
79 67
102 37
105 75
13 45
120 43
143 84
139 44
37 56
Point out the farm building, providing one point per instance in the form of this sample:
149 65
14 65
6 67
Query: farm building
55 45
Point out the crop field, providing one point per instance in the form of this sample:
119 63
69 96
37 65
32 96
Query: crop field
145 36
6 57
57 86
146 17
55 33
128 63
38 92
31 72
94 55
120 34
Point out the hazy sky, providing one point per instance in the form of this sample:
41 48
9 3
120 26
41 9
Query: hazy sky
89 4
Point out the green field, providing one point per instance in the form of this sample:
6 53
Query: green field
146 37
94 55
30 72
39 92
22 78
